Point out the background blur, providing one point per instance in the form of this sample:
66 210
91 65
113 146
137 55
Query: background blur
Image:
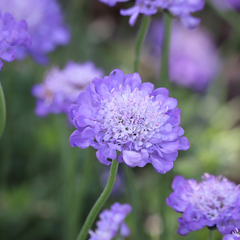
43 194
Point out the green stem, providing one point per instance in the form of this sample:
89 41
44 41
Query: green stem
100 202
164 68
139 41
210 234
132 192
2 111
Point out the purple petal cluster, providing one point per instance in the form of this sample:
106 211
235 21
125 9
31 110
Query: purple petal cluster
112 3
119 113
235 235
45 23
112 222
12 34
179 8
226 5
189 65
213 202
61 88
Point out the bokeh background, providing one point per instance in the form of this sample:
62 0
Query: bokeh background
47 188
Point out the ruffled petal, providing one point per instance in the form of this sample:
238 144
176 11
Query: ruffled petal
131 158
102 157
76 140
146 88
160 165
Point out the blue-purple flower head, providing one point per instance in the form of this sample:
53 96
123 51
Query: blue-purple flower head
61 88
181 9
213 202
112 222
189 65
45 23
235 235
120 114
12 35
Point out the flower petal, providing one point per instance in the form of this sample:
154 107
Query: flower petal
131 158
76 140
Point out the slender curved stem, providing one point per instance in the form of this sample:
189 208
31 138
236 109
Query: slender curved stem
2 111
140 39
164 68
100 202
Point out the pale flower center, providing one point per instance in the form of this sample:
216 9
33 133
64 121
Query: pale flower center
130 116
214 197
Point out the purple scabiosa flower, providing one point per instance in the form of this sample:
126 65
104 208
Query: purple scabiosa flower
234 236
62 87
226 5
212 202
119 113
146 7
12 34
189 65
179 8
45 23
112 3
111 222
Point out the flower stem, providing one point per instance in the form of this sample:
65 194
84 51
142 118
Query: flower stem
2 111
139 41
164 68
100 202
210 234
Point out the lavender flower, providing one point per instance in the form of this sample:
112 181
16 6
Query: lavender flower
234 236
12 34
111 222
45 23
118 113
213 202
62 87
226 5
112 3
189 65
179 8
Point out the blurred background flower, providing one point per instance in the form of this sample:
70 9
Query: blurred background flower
112 223
12 35
179 9
45 22
60 88
193 58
